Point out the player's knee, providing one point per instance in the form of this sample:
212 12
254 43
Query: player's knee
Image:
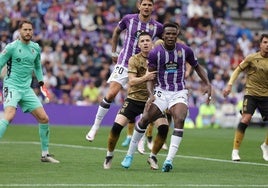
140 127
105 103
43 119
163 130
110 96
242 127
116 129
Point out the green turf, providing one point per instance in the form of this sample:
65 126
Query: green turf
202 161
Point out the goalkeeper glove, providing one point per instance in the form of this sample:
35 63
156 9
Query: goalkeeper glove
44 91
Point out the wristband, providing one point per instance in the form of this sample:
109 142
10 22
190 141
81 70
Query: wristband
41 83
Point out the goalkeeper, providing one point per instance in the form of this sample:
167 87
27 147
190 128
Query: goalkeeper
22 58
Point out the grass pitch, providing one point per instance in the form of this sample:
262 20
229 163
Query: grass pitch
203 160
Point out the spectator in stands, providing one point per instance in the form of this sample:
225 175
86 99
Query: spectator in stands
124 8
99 19
244 30
241 5
91 93
63 85
206 7
4 24
220 9
206 117
264 21
194 9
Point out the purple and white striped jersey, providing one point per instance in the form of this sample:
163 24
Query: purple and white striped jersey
133 26
171 65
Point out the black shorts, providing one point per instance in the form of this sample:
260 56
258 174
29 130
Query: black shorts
131 109
251 103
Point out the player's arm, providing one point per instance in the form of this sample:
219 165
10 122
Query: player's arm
151 83
150 89
203 75
39 75
240 68
228 88
5 56
115 39
134 80
132 74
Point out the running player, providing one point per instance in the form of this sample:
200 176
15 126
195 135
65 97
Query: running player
255 66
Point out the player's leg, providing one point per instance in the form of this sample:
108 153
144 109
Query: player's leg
264 148
9 114
130 129
178 108
248 109
118 78
149 136
263 108
120 122
162 126
148 116
11 98
31 103
129 110
238 138
179 113
169 118
103 108
141 144
44 134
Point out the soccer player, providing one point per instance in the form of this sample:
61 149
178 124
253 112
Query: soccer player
255 66
135 101
22 58
132 24
169 92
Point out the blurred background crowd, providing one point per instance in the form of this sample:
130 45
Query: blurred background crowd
75 37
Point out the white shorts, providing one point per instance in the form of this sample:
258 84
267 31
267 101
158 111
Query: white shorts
119 75
166 99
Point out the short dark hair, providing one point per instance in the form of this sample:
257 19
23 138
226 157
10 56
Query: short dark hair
142 1
171 24
264 35
143 33
23 22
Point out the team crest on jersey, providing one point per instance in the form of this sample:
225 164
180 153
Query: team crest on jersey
33 51
151 27
179 54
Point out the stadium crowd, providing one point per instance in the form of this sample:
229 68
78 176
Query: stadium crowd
75 36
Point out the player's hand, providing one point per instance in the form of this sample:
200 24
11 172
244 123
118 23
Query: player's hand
150 100
150 75
44 91
114 57
227 90
208 91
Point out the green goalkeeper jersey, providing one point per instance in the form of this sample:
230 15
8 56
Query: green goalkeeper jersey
22 61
